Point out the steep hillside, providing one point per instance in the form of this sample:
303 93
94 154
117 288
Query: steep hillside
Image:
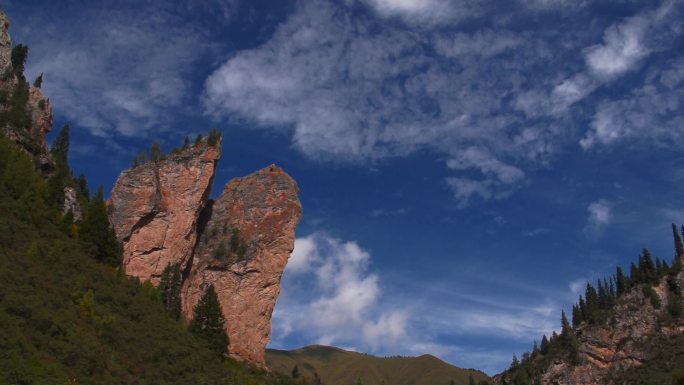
67 318
335 366
629 331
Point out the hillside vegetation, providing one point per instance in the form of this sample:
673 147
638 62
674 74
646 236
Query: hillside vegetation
333 366
68 316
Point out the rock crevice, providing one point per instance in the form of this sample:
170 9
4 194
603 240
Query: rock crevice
239 243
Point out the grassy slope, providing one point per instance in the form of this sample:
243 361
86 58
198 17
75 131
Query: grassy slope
51 333
340 367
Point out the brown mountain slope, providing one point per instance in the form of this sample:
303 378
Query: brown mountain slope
335 366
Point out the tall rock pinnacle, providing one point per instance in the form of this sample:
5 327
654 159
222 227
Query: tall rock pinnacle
240 243
243 251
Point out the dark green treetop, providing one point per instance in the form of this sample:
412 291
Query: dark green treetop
208 321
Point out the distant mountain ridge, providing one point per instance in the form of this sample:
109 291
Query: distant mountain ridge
335 366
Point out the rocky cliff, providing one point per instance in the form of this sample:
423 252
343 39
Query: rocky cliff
155 207
240 243
25 114
243 251
625 341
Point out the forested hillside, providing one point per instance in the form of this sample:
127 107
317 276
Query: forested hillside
625 329
68 312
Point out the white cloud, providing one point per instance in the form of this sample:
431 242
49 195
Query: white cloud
621 50
425 11
626 43
339 301
121 71
600 212
351 92
648 112
600 215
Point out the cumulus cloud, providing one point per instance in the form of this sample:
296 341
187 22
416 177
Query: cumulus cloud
332 298
331 295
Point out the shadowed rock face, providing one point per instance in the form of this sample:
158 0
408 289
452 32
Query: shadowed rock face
243 251
240 243
154 209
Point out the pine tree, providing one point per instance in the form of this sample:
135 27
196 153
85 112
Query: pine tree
565 325
214 137
576 316
679 247
591 298
97 231
515 363
82 186
39 81
602 296
544 345
208 322
634 275
170 288
60 147
155 152
19 55
647 270
186 142
620 282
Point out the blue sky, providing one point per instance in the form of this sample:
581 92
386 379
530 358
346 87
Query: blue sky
465 166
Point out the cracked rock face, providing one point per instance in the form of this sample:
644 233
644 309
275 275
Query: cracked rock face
240 243
154 209
243 250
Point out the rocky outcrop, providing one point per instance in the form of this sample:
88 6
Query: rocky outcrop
155 207
624 341
243 251
25 114
5 45
240 243
71 204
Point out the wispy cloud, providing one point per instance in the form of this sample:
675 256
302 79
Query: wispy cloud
600 215
425 11
493 102
121 70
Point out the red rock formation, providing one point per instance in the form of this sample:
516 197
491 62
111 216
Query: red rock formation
243 251
154 209
240 243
